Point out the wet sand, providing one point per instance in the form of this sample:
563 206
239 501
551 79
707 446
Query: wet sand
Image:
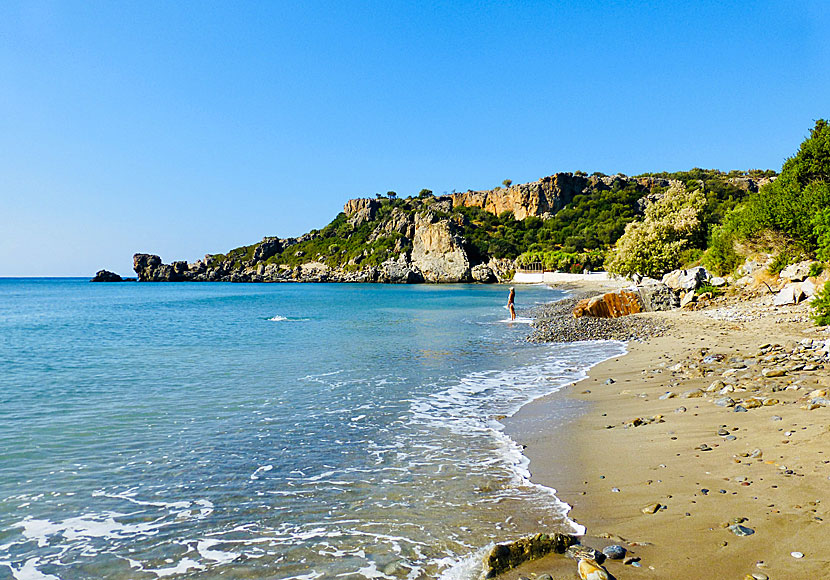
694 458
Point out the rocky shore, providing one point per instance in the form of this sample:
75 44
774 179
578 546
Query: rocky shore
703 451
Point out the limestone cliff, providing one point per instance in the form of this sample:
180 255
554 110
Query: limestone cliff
539 198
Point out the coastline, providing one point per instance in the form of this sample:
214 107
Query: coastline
607 469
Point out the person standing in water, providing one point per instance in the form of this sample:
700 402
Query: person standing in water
510 299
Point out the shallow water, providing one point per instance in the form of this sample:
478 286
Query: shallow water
266 431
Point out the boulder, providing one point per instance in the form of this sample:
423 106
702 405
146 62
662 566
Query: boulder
399 271
686 280
657 296
106 276
437 251
504 557
610 305
688 298
790 294
718 281
483 273
360 211
267 248
808 289
797 272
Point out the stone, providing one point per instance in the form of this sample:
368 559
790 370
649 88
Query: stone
693 394
796 272
106 276
614 552
789 294
591 570
579 552
808 289
503 557
688 298
718 281
267 248
772 373
797 555
609 305
483 273
740 530
651 508
657 297
686 280
725 402
438 251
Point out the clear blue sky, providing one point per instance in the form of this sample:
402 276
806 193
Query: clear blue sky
181 128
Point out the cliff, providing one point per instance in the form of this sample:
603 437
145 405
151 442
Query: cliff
460 237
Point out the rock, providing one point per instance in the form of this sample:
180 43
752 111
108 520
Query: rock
797 272
693 394
651 508
579 552
688 298
483 273
657 297
591 570
808 289
360 211
614 552
503 557
790 294
686 280
725 402
772 373
267 248
797 555
546 196
740 530
609 305
437 251
717 281
106 276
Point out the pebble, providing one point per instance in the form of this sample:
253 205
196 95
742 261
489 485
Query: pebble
614 552
651 508
725 402
740 530
590 570
545 577
798 555
740 409
757 576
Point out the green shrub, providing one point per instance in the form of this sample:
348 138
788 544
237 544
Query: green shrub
781 261
821 306
816 268
721 257
653 246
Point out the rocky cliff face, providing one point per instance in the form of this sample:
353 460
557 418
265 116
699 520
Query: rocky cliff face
546 196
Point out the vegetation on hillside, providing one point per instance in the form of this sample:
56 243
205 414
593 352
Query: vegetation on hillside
790 215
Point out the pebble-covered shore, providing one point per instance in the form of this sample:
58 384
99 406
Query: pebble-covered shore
555 322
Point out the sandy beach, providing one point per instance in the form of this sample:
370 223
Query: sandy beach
708 426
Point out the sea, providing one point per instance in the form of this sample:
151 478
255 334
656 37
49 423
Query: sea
279 431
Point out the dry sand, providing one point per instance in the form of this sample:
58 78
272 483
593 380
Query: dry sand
608 469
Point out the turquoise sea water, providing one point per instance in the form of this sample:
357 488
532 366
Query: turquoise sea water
266 431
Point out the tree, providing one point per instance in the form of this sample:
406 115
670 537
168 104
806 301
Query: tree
377 195
391 194
425 193
507 182
653 246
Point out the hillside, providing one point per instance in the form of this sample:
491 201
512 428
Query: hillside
566 221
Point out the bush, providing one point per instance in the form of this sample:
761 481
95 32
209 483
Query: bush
653 246
821 306
816 268
721 257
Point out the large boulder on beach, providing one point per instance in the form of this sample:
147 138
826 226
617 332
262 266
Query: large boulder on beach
797 272
483 273
657 297
609 305
685 280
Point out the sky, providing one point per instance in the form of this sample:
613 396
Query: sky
185 128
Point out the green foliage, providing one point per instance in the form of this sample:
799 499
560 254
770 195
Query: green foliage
706 287
507 182
821 306
652 247
565 261
790 204
721 256
425 193
781 261
816 268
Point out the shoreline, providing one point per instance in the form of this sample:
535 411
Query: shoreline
696 462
